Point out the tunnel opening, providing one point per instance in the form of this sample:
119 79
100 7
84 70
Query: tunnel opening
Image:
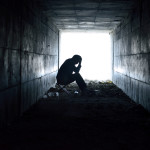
95 48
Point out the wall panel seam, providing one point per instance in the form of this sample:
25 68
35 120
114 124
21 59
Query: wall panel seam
133 54
133 78
39 77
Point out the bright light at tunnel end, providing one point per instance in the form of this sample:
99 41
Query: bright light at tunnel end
95 50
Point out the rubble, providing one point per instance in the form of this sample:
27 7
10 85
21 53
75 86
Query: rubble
96 88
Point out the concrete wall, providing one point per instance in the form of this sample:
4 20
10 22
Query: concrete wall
131 43
28 57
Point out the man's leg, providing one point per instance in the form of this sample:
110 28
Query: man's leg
81 83
64 80
74 77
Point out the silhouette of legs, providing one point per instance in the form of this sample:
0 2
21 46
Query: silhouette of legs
81 83
74 77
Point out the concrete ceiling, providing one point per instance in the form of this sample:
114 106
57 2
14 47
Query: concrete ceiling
86 14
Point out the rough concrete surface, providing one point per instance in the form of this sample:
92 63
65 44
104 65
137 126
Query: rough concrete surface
28 57
131 55
106 121
86 14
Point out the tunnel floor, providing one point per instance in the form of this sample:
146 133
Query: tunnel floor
108 120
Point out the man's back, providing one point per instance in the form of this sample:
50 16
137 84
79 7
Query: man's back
66 69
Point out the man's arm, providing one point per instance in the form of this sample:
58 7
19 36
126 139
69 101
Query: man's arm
77 69
80 62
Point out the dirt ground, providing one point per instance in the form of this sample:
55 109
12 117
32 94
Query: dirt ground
105 120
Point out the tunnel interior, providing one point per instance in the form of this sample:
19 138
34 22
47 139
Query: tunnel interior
29 47
118 118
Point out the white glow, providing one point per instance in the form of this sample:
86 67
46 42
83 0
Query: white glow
94 48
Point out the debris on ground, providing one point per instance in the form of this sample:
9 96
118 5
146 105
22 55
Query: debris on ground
100 88
106 120
95 88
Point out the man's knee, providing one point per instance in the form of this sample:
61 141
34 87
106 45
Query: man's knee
77 75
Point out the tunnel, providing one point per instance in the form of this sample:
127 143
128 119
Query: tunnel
29 62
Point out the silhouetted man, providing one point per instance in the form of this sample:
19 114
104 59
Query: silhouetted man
69 73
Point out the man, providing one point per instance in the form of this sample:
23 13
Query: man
69 73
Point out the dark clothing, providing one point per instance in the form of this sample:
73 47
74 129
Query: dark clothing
65 74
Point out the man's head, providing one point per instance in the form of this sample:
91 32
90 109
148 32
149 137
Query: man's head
76 59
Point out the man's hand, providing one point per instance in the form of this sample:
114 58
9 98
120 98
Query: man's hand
80 62
78 68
